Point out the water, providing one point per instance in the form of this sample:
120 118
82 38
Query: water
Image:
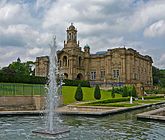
113 127
52 96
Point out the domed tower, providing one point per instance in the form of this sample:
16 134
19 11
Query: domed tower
87 50
71 37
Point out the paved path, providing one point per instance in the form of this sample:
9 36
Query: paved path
79 110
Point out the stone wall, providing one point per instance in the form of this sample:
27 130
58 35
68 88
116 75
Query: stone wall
22 102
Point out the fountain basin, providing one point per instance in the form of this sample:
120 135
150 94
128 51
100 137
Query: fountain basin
158 115
51 133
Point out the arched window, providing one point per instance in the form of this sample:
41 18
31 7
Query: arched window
65 76
79 76
64 61
69 36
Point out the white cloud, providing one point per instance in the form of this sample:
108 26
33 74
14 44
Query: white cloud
161 61
35 51
26 26
156 29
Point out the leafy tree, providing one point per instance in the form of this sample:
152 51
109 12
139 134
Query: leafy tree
156 75
134 94
113 93
125 92
97 94
79 93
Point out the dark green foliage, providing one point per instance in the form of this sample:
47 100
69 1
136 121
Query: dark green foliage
158 76
118 90
154 91
83 83
23 79
97 94
125 92
79 93
110 101
18 72
152 97
134 94
113 93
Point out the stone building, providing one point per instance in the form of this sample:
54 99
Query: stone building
119 65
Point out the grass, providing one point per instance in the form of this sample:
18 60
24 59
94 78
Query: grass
88 94
17 89
127 103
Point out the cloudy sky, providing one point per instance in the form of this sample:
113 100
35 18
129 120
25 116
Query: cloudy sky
26 26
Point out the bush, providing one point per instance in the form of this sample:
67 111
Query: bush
118 90
23 79
83 83
97 94
134 94
113 93
152 97
106 101
125 92
79 93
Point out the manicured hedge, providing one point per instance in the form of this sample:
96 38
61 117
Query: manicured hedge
23 79
83 83
111 101
38 80
152 97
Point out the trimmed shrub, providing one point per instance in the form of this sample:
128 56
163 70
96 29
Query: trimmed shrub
113 93
97 94
134 94
152 97
125 92
106 101
79 93
83 83
23 79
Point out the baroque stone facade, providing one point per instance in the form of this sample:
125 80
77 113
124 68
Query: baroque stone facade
112 66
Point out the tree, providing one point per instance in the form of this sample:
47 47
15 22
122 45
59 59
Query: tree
134 94
97 94
79 93
113 93
125 92
156 75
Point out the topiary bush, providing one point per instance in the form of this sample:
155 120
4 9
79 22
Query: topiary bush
125 92
79 93
113 93
97 94
107 101
134 93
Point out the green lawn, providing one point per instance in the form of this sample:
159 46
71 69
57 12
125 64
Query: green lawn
127 103
17 89
88 94
9 89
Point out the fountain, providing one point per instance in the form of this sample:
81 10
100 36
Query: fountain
131 100
53 97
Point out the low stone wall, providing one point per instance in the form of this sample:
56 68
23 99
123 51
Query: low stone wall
37 102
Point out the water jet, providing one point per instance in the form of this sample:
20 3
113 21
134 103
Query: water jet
53 96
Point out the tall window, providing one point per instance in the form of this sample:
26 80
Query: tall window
64 61
116 74
102 74
79 61
93 75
